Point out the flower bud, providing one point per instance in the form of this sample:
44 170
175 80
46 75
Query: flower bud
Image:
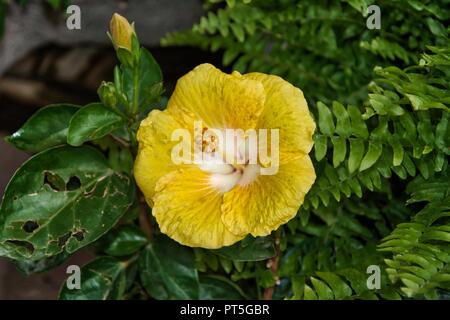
121 32
107 94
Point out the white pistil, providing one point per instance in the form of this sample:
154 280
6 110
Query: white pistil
225 182
225 176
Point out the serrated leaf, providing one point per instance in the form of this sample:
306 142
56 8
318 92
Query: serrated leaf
61 200
45 129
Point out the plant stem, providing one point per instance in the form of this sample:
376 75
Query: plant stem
273 265
135 105
144 220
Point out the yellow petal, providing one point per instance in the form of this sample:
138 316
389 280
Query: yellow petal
220 100
286 109
187 209
270 200
155 147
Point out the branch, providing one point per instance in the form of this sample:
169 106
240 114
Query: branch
144 220
272 263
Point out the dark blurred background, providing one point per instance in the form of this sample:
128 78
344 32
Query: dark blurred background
42 62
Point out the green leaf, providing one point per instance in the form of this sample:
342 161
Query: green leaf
326 123
359 127
150 74
92 122
343 127
356 154
339 151
124 240
219 288
372 155
61 200
340 288
320 147
398 152
249 249
45 129
167 270
102 279
323 291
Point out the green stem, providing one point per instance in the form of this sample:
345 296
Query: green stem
135 106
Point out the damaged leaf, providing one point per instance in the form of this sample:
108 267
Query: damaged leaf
59 201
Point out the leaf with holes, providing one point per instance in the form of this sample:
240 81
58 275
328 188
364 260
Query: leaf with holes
102 279
45 129
61 200
92 122
249 249
167 270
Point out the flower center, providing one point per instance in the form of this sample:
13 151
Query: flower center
228 162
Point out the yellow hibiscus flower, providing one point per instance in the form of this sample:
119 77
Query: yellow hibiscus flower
218 205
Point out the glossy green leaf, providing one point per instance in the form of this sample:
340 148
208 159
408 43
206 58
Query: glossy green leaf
124 240
102 279
92 122
149 75
356 154
338 286
61 200
322 290
167 270
249 249
219 288
372 155
45 129
398 152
